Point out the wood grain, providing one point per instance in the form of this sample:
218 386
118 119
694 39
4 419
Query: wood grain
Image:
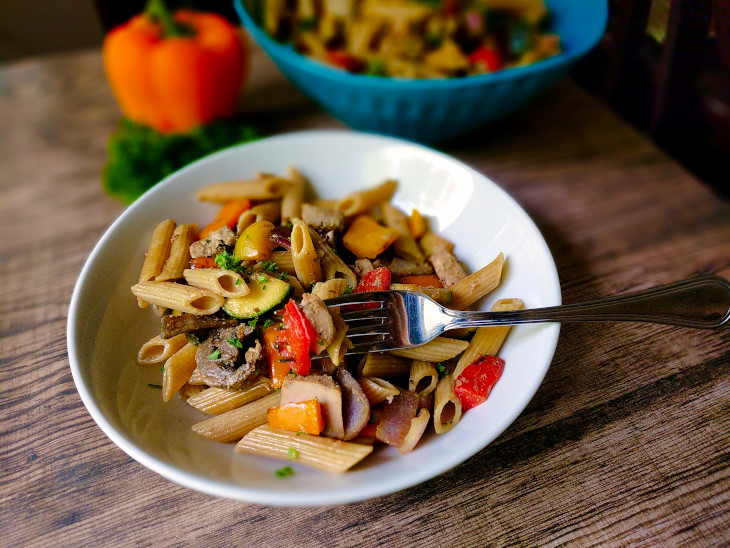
626 441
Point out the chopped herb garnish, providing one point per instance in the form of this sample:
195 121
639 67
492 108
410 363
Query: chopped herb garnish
347 290
284 472
162 368
441 370
290 224
239 281
215 354
284 277
236 342
261 279
293 453
227 261
155 386
192 339
268 322
263 287
376 67
269 266
300 433
247 236
252 323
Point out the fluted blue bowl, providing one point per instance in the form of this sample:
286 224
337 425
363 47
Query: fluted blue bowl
434 110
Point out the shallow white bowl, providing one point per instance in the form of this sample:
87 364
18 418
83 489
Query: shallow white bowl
106 328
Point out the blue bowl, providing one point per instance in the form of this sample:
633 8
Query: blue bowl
435 110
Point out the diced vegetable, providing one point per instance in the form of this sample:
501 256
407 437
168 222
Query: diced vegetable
486 58
227 216
425 280
264 294
375 280
296 339
475 383
417 224
279 366
367 239
203 262
254 243
304 416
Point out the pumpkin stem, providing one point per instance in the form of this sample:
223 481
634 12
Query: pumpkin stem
158 12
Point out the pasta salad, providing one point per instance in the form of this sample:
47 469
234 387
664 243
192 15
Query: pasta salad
247 339
413 38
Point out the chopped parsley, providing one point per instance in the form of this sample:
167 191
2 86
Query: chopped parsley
236 342
239 281
376 67
300 433
158 386
293 453
284 277
269 266
347 290
252 323
284 472
268 322
261 279
215 354
227 261
441 370
192 339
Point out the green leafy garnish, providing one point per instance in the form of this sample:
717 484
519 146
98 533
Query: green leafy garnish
268 322
376 67
235 342
441 370
252 323
262 279
269 266
293 453
284 472
347 290
192 339
239 281
215 354
284 277
226 261
139 156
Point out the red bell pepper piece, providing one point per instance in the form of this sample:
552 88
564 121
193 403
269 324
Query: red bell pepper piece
474 384
375 280
279 366
203 262
487 57
345 61
296 339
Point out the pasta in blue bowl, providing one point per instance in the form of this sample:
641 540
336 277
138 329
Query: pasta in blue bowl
421 104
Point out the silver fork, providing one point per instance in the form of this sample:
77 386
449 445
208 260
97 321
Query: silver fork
401 319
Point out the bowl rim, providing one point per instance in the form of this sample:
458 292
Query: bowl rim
255 494
287 54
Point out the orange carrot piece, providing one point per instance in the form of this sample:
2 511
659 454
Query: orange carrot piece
303 416
424 280
227 216
279 366
203 262
417 224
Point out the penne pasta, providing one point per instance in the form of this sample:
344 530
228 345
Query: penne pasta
363 200
192 300
215 401
157 349
157 253
329 289
197 378
266 211
225 283
283 261
236 423
265 187
188 390
377 390
383 365
304 255
438 350
179 257
340 343
333 266
438 294
405 246
487 340
291 202
317 451
415 432
446 406
423 377
475 286
177 370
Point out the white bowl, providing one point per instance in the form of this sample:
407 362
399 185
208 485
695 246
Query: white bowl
106 328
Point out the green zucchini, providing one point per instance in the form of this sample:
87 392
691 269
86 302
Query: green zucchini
265 293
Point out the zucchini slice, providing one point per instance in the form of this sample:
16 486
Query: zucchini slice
265 293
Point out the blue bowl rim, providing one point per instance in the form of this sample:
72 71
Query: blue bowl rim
287 54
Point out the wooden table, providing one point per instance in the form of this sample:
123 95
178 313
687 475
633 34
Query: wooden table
627 440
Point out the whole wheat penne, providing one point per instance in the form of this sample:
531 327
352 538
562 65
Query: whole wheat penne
438 350
472 288
157 349
438 294
415 432
363 200
177 370
405 246
179 257
267 187
487 340
215 401
329 289
384 365
157 253
333 266
284 261
236 423
185 298
265 211
446 406
423 377
304 255
316 451
291 202
221 282
188 391
377 390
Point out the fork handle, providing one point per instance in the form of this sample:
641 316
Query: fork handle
701 302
